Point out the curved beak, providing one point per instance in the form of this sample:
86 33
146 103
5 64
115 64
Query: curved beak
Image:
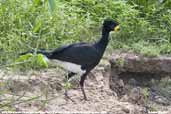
117 28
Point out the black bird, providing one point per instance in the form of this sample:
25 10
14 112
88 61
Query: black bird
81 58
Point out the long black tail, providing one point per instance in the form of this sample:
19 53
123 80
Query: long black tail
46 53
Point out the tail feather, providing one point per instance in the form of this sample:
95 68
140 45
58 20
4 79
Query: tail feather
24 53
43 52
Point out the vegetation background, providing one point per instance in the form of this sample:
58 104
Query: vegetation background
47 24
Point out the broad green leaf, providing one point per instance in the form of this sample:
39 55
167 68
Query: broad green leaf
24 57
52 5
41 61
31 61
36 2
37 26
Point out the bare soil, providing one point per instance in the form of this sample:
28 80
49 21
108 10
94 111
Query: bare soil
44 91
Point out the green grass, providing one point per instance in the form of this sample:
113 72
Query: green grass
35 24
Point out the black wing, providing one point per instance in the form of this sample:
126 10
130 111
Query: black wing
81 53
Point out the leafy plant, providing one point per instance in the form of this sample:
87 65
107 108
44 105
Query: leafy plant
47 24
67 85
30 61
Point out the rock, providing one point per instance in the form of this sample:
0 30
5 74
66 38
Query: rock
17 86
126 110
119 87
136 63
136 96
125 98
56 85
132 82
136 70
161 100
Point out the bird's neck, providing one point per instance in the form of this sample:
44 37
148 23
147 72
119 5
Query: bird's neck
102 43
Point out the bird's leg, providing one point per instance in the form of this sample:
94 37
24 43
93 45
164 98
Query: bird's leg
70 74
83 77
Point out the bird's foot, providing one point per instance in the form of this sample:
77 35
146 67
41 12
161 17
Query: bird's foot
85 98
67 96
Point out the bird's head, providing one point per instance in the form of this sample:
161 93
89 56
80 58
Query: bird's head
110 25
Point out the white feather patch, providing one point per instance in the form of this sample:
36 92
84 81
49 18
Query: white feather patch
67 66
45 58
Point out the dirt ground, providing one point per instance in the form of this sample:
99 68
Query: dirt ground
44 91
